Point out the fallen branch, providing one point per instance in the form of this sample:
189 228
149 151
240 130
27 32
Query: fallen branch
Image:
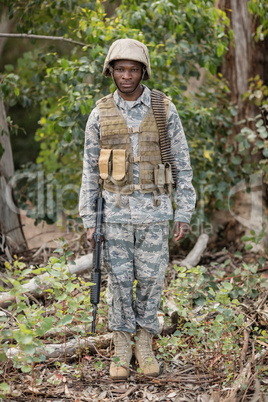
81 265
263 354
39 251
69 348
258 307
128 393
195 254
243 378
10 314
245 348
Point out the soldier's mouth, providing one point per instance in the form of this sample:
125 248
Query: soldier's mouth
127 84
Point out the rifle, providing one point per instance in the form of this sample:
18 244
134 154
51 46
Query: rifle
96 271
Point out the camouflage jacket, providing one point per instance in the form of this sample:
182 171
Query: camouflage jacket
136 208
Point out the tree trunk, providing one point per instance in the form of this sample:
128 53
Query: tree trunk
236 67
245 59
10 225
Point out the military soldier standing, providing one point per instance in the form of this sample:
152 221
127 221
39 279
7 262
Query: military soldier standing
122 154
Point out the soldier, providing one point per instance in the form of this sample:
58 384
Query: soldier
122 154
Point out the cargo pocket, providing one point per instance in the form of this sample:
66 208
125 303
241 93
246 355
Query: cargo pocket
105 163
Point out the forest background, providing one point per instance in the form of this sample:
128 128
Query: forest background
209 56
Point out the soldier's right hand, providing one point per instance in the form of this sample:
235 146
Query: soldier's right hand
90 237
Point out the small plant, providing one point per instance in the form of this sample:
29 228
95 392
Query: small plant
210 317
66 304
255 238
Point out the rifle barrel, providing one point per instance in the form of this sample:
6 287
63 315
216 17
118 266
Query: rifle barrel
94 318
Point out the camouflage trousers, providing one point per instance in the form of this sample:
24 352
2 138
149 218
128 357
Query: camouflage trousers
135 253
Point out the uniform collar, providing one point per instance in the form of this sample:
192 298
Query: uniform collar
145 98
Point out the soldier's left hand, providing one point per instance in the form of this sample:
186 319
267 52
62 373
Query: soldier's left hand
180 230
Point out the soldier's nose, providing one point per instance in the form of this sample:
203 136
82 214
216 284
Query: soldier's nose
126 75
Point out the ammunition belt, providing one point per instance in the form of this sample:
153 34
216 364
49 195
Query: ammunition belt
164 140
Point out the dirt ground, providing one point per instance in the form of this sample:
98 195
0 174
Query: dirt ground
38 235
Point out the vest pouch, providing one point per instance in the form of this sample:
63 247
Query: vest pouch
159 175
168 174
105 163
119 173
168 178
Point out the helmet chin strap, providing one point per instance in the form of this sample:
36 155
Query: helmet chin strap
126 92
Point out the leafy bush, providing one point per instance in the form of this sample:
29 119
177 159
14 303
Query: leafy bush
211 314
67 82
66 304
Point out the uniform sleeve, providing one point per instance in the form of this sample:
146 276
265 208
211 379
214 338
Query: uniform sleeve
185 196
90 176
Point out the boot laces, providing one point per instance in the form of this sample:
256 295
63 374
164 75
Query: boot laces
145 347
121 345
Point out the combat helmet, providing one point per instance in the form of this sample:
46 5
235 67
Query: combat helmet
128 49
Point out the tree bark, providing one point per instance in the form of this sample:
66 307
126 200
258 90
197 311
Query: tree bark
10 225
236 67
245 59
5 25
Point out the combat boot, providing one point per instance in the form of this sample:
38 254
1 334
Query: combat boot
144 353
123 350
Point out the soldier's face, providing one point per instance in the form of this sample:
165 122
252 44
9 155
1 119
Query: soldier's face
127 75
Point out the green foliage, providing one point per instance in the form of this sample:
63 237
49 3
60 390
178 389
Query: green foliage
210 313
211 310
259 9
43 15
67 304
255 133
174 32
254 238
4 389
67 86
67 81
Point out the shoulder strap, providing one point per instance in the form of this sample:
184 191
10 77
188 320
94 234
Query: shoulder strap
104 99
161 121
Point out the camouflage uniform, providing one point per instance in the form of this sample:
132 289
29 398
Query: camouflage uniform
136 234
135 252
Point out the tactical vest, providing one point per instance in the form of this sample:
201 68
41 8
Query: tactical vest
116 158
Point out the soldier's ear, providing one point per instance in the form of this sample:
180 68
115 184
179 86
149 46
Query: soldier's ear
144 70
111 68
